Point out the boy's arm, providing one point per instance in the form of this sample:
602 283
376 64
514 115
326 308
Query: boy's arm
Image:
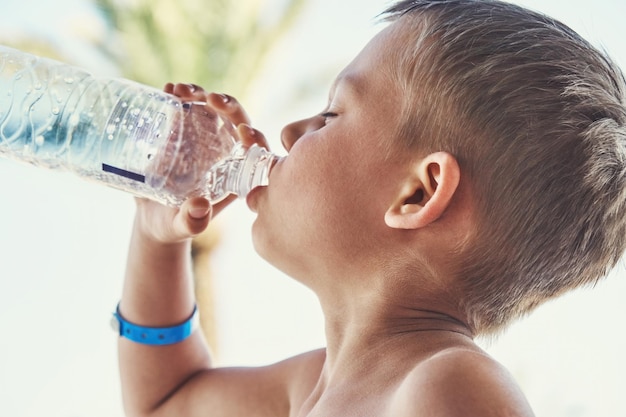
157 293
178 380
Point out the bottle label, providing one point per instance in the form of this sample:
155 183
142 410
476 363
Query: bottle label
123 173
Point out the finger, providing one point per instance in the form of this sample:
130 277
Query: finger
229 107
169 88
189 92
196 88
250 136
198 208
193 217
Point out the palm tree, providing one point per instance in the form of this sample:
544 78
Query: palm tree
212 44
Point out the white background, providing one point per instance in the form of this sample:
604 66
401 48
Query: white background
64 241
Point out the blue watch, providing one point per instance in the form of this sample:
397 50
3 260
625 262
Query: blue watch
156 336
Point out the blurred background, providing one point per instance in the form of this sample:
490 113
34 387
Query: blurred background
64 241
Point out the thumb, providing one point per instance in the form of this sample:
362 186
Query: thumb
193 217
199 208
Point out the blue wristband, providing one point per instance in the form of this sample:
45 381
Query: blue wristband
156 336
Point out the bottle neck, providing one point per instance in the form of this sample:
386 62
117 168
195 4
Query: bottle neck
239 173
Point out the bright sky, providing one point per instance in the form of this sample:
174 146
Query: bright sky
64 243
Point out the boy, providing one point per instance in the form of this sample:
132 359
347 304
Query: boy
469 166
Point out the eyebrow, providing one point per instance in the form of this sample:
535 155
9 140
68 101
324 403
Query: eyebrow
352 84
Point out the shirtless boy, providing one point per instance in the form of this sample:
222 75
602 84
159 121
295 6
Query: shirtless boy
470 165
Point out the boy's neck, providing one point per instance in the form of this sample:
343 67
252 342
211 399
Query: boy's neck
368 328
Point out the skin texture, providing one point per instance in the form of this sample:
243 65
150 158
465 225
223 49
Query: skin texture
374 248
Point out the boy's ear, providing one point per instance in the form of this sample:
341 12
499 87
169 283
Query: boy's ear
426 193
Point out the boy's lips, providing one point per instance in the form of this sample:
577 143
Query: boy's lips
251 200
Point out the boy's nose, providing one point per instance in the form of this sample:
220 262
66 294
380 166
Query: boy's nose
294 131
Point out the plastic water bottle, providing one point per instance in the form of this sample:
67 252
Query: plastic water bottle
121 133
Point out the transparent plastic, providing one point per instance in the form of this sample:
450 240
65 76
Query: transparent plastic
121 133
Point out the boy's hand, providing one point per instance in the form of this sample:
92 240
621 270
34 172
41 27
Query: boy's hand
169 225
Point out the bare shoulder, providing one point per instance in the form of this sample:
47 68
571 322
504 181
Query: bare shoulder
302 372
308 360
460 382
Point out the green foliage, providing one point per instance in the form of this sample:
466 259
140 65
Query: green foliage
217 44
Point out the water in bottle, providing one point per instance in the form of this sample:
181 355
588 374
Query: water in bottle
121 133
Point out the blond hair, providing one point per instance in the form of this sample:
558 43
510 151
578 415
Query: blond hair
536 117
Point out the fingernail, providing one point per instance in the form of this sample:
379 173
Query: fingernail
225 98
246 130
199 211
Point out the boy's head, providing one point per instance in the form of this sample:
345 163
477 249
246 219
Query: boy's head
536 118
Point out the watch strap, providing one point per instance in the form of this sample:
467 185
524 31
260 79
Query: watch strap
156 336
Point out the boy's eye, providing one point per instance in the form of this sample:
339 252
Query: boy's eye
328 115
